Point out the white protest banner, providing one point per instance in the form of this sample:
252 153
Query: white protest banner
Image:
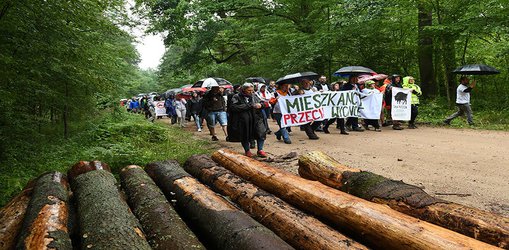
400 107
302 109
371 106
160 109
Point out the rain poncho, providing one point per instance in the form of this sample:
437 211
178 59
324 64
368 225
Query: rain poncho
265 95
417 90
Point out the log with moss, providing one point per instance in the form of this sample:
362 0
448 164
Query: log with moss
105 220
294 226
379 225
45 225
221 225
408 199
162 225
11 217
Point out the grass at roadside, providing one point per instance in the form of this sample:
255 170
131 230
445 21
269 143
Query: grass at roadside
118 138
435 111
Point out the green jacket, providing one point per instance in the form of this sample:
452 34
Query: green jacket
417 90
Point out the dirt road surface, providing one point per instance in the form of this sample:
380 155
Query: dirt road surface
470 167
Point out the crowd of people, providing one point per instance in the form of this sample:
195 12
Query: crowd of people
243 113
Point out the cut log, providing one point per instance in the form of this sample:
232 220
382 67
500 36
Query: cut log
11 217
105 220
292 225
408 199
222 225
45 222
162 225
378 224
85 167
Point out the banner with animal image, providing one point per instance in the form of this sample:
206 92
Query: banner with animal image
159 108
302 109
401 104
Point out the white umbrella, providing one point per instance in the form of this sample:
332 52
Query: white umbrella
209 83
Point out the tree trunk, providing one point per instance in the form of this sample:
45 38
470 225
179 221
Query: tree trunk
105 220
449 56
425 52
85 167
221 224
378 224
11 217
162 225
45 224
292 225
408 199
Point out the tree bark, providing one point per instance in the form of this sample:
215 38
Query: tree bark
45 224
105 220
85 167
222 225
11 217
425 51
378 224
405 198
292 225
163 227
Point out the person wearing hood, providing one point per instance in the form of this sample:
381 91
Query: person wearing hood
395 82
409 83
246 120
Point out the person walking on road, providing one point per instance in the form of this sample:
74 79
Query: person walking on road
463 101
246 120
181 109
215 105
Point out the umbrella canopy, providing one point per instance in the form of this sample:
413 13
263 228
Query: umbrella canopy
204 83
191 89
476 69
297 77
255 79
378 77
354 70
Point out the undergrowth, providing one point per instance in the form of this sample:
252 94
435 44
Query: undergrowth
117 138
486 117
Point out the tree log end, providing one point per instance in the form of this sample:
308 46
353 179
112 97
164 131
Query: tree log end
85 167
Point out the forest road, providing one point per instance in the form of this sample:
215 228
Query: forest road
466 166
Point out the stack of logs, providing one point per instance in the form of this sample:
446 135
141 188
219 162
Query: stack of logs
228 201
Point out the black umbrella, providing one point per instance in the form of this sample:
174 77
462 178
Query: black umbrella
220 82
297 77
353 70
255 79
476 69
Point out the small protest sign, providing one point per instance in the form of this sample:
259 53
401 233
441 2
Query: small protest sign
401 101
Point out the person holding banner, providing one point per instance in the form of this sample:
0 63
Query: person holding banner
409 83
340 123
309 128
246 120
282 90
368 90
352 84
395 82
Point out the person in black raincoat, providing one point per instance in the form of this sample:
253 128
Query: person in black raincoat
246 120
395 82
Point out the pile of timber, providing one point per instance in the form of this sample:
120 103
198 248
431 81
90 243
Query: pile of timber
229 201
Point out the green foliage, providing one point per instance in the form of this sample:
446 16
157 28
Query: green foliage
434 111
118 138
